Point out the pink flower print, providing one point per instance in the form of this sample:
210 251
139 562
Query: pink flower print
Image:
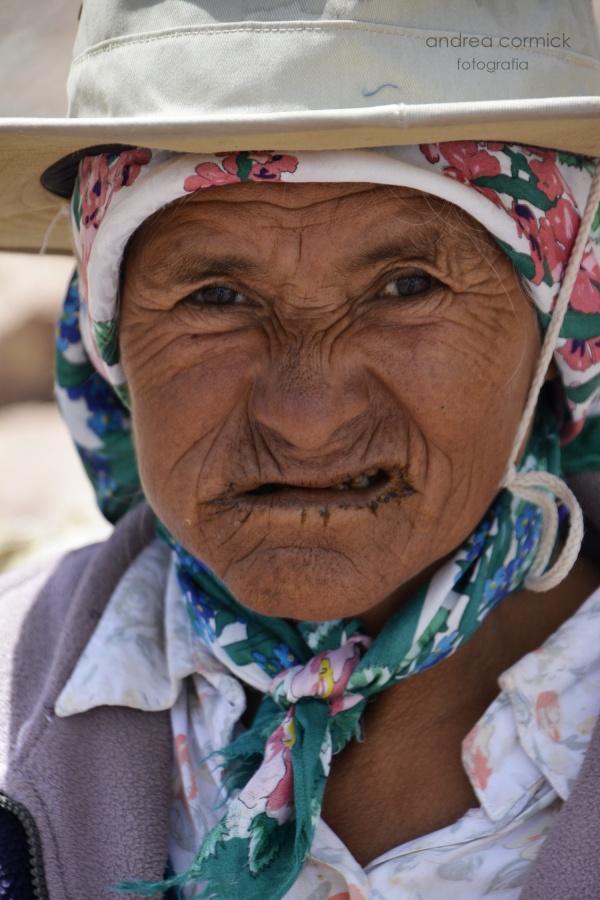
469 160
564 221
326 675
271 788
93 187
208 175
580 355
186 768
269 167
431 152
475 756
548 714
448 150
528 226
279 804
550 238
585 296
554 255
343 702
242 166
480 769
99 179
549 178
128 166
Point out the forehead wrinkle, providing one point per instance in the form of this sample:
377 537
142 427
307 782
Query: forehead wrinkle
296 195
184 268
181 266
448 229
419 245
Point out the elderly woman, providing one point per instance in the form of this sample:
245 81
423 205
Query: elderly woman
343 642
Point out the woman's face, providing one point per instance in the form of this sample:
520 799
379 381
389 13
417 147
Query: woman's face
325 381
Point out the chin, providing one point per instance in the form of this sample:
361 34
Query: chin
307 584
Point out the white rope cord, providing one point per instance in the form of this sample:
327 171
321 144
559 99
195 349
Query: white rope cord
538 487
63 210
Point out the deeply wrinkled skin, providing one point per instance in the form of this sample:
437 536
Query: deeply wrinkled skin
313 371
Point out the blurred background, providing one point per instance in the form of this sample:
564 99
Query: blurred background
46 503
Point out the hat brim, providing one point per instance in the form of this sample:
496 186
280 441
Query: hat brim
30 146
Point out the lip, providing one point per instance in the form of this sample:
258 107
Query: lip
393 485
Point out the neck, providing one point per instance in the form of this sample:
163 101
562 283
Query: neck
375 618
421 786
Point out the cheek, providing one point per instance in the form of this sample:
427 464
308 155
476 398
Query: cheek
186 394
463 381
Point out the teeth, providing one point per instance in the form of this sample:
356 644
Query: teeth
361 482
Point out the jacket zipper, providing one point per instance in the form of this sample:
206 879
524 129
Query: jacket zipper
40 888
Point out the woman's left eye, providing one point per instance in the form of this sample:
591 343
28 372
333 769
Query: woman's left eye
409 285
215 295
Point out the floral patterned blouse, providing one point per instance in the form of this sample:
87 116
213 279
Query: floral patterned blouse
522 757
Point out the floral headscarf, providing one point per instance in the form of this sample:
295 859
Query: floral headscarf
531 200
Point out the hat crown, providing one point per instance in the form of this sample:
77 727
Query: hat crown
191 58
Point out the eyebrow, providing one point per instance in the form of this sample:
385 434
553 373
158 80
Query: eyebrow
186 269
422 245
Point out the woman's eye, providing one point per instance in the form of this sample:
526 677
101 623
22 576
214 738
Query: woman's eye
215 295
409 285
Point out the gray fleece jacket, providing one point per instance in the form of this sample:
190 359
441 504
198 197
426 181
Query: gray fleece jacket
98 785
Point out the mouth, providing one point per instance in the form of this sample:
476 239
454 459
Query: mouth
366 479
367 489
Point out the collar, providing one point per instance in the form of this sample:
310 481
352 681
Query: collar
532 738
537 731
144 646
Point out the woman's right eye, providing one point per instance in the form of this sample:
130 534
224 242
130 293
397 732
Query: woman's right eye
214 295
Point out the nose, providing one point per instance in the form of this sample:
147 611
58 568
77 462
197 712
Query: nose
310 404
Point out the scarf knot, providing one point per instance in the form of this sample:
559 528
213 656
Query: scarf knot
324 677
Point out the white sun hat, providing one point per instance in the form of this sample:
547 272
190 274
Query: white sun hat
222 75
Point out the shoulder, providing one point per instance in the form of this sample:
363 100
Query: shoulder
22 587
48 610
33 602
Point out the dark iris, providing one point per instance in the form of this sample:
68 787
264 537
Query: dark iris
217 296
413 284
